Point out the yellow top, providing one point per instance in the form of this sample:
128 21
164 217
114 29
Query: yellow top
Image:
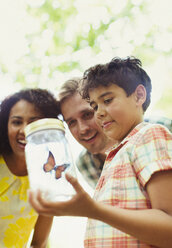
17 217
43 124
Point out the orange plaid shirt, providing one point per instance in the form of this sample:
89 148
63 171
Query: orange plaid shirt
128 167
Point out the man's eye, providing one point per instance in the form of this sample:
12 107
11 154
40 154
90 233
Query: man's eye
88 115
71 123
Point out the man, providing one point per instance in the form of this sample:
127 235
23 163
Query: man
79 117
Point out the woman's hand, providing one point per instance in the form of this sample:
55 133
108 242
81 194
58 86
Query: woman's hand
81 204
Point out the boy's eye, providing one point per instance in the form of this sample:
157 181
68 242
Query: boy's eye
95 107
106 101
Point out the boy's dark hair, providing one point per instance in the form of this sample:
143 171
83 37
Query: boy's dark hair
126 73
44 101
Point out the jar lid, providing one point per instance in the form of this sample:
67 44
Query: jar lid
43 124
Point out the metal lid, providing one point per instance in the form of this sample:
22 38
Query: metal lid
43 124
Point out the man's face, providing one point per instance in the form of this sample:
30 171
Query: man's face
79 117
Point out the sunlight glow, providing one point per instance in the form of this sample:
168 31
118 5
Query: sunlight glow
24 44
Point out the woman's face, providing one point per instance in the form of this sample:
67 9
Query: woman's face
21 114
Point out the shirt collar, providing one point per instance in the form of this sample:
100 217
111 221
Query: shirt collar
128 137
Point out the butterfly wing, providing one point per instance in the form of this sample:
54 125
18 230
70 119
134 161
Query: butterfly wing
60 169
49 165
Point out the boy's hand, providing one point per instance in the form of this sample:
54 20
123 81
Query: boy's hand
81 204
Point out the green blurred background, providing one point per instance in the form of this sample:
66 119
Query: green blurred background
45 42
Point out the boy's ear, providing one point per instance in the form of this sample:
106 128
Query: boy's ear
140 94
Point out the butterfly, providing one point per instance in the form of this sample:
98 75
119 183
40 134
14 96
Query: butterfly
51 165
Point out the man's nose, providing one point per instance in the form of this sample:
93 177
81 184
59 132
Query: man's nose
83 127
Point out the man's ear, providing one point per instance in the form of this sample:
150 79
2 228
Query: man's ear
140 95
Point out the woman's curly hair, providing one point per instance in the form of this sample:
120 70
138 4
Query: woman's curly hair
43 100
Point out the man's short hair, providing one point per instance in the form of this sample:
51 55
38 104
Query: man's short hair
69 88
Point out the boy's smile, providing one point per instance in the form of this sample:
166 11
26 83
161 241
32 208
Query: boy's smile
116 112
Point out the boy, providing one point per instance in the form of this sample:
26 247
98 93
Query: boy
132 205
79 117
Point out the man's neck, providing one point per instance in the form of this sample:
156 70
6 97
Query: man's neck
102 156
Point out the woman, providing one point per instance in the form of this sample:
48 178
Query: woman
17 218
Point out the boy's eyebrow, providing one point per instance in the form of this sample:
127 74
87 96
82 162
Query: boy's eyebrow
101 96
15 116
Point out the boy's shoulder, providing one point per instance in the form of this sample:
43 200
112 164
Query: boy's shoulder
165 121
146 132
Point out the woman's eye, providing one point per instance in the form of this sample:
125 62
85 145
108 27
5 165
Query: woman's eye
16 123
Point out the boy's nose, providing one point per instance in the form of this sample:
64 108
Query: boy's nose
100 112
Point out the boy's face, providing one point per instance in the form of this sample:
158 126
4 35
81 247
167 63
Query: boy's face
115 112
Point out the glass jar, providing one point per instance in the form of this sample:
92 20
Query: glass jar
48 158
